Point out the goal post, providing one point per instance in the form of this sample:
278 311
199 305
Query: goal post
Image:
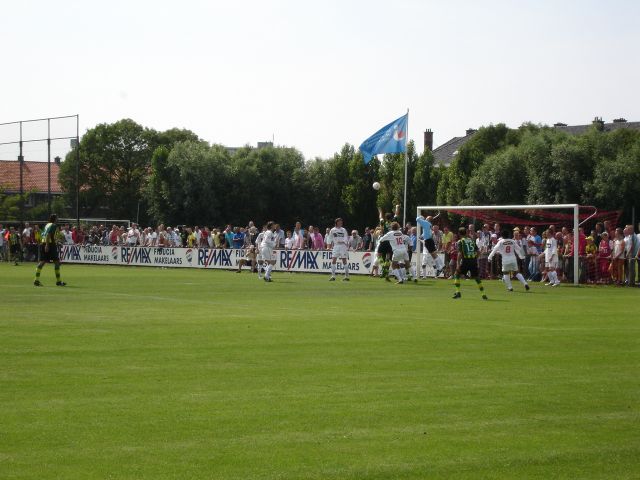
573 206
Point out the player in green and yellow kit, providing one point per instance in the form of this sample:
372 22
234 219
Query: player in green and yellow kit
467 262
48 251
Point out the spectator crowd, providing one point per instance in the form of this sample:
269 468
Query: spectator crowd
607 255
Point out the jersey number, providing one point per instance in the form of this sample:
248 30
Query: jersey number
399 241
507 249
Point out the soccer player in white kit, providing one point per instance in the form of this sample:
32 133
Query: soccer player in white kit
268 243
339 238
400 253
551 259
509 249
259 261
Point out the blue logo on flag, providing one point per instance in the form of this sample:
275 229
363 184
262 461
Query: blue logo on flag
391 138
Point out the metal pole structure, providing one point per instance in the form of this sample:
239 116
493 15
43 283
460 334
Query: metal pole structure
48 167
78 172
20 164
406 162
576 253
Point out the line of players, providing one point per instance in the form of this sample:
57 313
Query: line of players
397 246
264 252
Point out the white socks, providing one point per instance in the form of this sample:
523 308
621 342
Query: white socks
268 273
507 281
333 269
521 278
346 269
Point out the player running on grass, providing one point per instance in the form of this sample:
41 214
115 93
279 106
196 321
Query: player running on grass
467 262
508 249
48 251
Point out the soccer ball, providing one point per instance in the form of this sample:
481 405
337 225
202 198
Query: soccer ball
376 185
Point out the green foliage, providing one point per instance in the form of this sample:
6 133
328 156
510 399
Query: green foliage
177 178
115 160
10 205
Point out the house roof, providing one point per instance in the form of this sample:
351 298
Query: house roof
580 129
446 152
34 176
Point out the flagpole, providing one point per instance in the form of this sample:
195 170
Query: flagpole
406 162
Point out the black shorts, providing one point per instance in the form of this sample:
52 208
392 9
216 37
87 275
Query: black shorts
384 248
15 248
469 265
50 256
431 246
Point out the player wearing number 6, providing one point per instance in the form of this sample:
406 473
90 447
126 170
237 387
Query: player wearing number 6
509 249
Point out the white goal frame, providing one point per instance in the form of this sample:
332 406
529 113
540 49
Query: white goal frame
576 222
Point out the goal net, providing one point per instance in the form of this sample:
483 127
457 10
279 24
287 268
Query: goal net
565 219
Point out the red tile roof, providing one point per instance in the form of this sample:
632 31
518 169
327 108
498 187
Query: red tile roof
34 176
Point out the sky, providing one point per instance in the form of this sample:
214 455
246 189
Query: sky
315 75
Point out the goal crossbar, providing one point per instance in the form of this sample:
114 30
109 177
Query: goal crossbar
576 219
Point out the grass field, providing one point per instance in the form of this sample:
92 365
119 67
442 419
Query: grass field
144 373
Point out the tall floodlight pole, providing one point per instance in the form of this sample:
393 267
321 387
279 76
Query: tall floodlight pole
78 172
48 167
20 165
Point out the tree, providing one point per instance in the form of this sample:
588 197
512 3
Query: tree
616 183
114 164
501 179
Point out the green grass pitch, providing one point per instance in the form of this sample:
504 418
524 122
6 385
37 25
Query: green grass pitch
145 373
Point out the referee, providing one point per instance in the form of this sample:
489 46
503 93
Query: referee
48 251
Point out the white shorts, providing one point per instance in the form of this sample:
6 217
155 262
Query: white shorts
510 267
427 259
552 262
340 251
400 256
266 254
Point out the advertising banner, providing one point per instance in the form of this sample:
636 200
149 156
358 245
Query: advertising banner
311 261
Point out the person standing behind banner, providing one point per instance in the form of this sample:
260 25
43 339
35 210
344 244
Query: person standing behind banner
617 258
631 248
318 240
298 237
3 242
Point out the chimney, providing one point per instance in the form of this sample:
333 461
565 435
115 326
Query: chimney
471 131
620 120
57 160
598 123
428 140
